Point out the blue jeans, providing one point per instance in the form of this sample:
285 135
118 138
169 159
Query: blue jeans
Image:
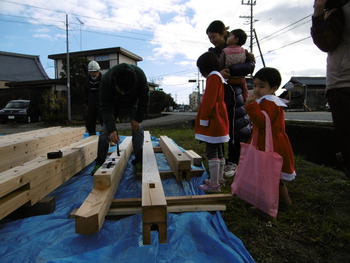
103 146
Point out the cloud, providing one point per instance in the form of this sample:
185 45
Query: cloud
170 34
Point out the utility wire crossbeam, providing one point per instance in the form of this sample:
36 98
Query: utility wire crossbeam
251 3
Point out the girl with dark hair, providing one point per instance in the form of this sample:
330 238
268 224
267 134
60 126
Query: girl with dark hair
211 124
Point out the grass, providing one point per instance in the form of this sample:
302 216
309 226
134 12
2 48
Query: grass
316 228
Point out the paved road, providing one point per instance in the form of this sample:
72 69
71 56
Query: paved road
317 116
172 118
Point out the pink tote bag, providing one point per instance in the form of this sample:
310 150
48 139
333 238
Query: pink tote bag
258 173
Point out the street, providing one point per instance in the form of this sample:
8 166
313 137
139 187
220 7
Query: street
170 118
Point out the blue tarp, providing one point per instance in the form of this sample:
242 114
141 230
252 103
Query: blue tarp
192 237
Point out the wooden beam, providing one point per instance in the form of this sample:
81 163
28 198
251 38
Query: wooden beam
178 161
32 181
90 216
176 200
154 206
16 150
175 204
195 158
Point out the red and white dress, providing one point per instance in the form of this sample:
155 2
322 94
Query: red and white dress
212 125
273 106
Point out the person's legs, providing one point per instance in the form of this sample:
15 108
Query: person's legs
222 164
212 185
137 145
339 102
236 151
284 198
102 150
230 105
91 118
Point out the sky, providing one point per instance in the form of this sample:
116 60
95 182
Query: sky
169 35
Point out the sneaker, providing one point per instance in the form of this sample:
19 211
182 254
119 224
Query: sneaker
230 169
96 167
210 187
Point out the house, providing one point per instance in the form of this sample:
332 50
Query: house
19 68
106 58
305 93
31 81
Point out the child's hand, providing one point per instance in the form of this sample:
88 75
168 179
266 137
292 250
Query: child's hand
250 99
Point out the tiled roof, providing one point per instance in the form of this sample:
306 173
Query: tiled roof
309 81
20 67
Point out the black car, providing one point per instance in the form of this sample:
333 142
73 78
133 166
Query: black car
20 111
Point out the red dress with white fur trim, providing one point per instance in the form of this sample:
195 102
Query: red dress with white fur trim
273 106
212 123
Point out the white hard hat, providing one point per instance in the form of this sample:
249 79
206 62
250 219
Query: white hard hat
93 66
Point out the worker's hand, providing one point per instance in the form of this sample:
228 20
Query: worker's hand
114 136
135 126
225 73
250 99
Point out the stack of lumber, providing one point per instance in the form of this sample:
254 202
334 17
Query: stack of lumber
27 175
153 205
19 148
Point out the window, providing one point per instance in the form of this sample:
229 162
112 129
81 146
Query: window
103 61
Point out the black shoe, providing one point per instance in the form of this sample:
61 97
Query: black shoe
96 167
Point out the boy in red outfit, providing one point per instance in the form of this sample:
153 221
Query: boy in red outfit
266 82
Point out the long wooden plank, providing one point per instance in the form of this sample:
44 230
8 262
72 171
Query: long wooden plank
179 162
195 158
154 206
33 170
16 151
176 200
32 181
91 214
133 210
31 133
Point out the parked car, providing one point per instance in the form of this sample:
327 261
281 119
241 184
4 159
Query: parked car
20 111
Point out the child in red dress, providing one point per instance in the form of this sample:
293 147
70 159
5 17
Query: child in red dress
212 125
266 82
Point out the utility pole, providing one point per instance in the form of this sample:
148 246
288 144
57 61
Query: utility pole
251 3
68 75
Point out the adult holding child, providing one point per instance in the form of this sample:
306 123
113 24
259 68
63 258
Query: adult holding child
239 124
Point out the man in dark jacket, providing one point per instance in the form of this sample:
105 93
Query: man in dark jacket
92 91
124 91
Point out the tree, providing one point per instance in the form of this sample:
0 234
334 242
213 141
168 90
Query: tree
159 101
78 76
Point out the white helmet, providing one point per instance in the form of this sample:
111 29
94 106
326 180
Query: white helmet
93 66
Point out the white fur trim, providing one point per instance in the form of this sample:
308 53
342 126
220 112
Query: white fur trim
278 101
204 122
217 73
288 177
211 139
